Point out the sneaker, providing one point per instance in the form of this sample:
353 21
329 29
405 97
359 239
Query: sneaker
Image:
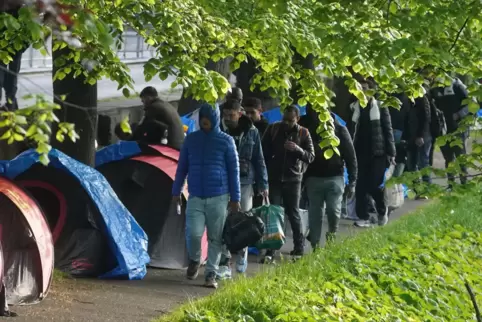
210 281
224 272
363 223
296 255
383 220
192 270
267 260
242 262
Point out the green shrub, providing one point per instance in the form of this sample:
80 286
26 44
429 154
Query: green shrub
412 270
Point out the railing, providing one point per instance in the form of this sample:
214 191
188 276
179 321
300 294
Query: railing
134 49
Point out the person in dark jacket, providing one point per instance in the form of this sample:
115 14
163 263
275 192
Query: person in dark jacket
254 110
399 121
375 151
210 162
158 110
288 150
324 179
252 170
450 101
418 137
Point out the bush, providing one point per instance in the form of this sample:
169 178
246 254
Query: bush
412 270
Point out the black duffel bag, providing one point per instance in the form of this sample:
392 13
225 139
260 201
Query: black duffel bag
242 229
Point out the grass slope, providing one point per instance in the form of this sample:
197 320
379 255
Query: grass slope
411 270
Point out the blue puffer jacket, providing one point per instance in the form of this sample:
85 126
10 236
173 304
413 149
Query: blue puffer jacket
209 160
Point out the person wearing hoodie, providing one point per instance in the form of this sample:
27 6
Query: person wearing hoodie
288 149
210 162
375 152
252 170
324 179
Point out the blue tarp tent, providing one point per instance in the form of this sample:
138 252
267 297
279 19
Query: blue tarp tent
126 240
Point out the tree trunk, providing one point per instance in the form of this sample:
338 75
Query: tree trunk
80 108
243 80
188 104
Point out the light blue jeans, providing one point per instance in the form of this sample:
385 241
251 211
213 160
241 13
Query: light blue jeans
210 214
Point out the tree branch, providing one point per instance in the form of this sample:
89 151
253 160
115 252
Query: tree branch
459 33
474 302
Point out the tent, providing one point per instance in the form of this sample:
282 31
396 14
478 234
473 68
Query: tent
27 252
142 177
94 234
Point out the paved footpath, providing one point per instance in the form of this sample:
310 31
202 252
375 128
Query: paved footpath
131 301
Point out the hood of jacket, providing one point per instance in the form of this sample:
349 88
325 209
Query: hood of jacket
212 113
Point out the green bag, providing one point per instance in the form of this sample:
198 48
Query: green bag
273 218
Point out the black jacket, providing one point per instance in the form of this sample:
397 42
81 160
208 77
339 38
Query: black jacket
261 125
449 101
417 123
165 113
399 116
373 137
284 165
334 166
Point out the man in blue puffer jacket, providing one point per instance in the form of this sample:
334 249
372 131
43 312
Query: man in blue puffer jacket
210 162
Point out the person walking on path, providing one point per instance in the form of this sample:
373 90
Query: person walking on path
375 151
288 149
210 162
254 110
324 179
418 137
252 169
450 100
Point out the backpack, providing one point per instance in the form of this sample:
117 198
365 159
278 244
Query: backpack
438 127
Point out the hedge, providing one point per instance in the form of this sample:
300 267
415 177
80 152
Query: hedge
415 269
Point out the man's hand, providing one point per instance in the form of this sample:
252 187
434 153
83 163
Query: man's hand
234 206
391 160
264 193
291 146
419 142
350 190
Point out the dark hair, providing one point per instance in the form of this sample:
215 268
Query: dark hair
232 104
293 108
253 102
149 91
236 93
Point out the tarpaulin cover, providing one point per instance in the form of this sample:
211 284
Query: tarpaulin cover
27 246
115 152
127 240
144 183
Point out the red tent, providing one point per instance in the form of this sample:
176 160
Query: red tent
143 183
28 252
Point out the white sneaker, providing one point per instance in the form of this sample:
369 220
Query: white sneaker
363 223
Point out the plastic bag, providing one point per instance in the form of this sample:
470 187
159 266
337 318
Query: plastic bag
241 230
394 196
273 218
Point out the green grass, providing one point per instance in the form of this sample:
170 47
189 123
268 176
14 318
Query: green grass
408 270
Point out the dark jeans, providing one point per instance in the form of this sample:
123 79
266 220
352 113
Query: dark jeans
9 80
288 194
369 182
419 157
451 153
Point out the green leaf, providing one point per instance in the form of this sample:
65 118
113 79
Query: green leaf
126 92
328 154
125 126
